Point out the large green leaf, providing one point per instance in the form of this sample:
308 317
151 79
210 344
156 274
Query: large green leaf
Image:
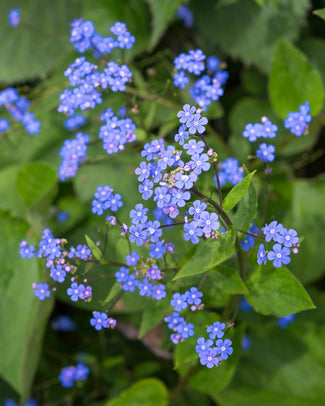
22 316
209 254
276 291
226 279
147 392
153 315
246 211
320 13
34 181
237 192
307 216
234 27
39 42
281 368
293 81
162 12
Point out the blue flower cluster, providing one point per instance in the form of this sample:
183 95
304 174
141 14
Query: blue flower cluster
185 13
285 320
73 152
63 323
229 171
208 87
84 37
58 261
14 17
297 122
175 178
176 322
18 107
75 121
105 199
213 355
71 374
284 239
116 132
141 274
101 320
256 131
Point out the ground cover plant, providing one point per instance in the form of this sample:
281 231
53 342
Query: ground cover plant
162 193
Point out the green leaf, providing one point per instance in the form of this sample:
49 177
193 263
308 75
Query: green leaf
246 18
237 192
320 13
39 42
147 392
307 216
276 291
23 315
246 211
34 181
94 249
152 316
113 293
162 13
293 81
227 279
281 368
209 254
223 248
134 13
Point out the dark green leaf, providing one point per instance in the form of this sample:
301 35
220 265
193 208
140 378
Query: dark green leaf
113 293
276 291
34 181
246 18
246 211
293 81
39 42
237 192
163 12
223 248
147 392
152 316
93 247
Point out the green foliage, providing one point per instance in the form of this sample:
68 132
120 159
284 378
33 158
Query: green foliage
39 42
97 254
237 192
162 13
276 291
274 20
209 254
320 13
21 341
147 392
227 280
293 81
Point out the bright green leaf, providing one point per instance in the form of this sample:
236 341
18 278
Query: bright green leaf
226 279
93 247
162 12
237 192
147 392
246 211
276 291
293 81
320 13
152 316
223 248
34 181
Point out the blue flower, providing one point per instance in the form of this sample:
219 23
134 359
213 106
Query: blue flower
179 302
42 291
209 357
224 348
197 208
194 147
200 163
265 152
137 234
261 255
132 259
202 345
193 296
159 292
81 372
75 291
187 114
130 284
139 214
99 320
145 288
181 80
182 134
14 17
208 222
297 122
174 320
284 321
279 255
157 250
288 237
58 274
184 180
215 330
186 330
66 377
153 272
192 232
146 189
122 275
273 231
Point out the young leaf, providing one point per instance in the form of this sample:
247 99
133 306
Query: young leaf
293 81
223 248
94 249
276 291
237 192
320 13
147 392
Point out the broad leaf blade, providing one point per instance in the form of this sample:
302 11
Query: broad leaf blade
276 291
294 81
